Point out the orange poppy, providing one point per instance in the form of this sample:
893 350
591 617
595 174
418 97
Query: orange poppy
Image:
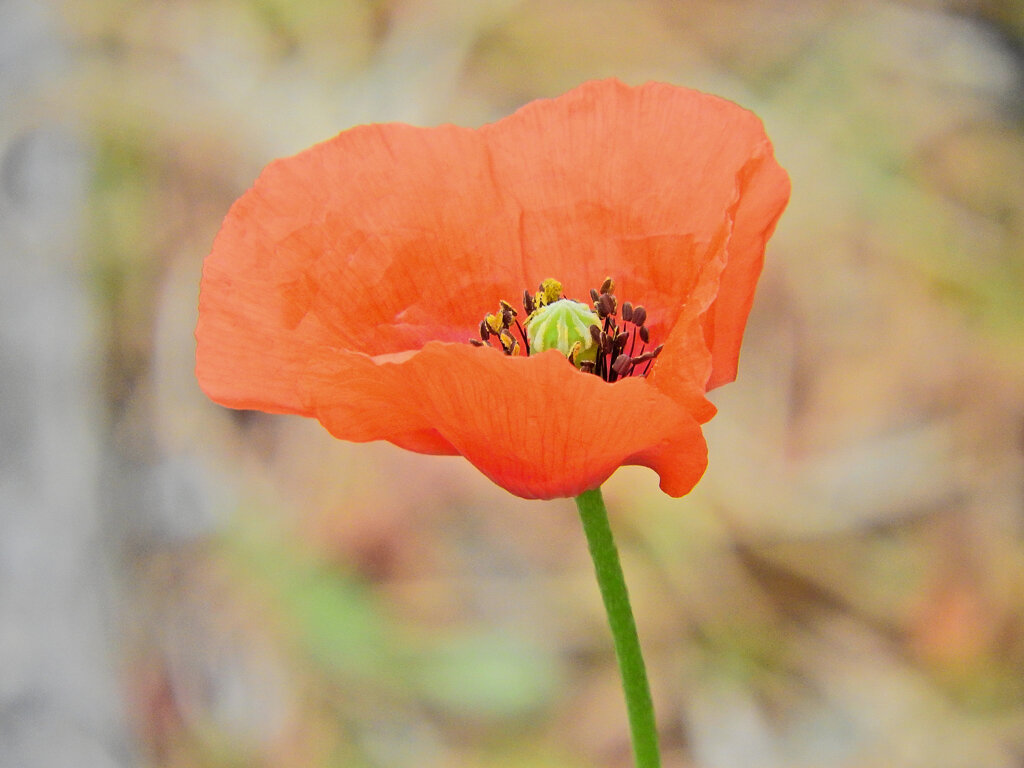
346 283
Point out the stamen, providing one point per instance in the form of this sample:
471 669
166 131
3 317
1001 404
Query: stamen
550 292
653 354
522 333
495 323
622 365
528 304
591 339
508 342
614 339
574 352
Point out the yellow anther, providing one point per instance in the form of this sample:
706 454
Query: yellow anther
508 342
495 323
574 352
550 292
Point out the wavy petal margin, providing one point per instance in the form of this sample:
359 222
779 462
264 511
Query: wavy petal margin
344 284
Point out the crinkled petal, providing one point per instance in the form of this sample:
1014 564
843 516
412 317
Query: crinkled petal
537 427
335 272
388 236
642 184
376 241
763 192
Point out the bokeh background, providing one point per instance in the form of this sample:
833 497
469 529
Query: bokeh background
181 585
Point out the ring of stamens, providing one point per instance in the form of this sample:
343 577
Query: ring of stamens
601 340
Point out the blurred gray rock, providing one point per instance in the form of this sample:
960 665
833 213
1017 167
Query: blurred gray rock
59 701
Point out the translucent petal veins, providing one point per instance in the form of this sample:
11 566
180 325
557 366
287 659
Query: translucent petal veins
340 283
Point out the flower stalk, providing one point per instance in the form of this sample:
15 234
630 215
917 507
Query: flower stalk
612 584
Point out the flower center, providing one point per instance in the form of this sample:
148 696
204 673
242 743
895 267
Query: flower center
596 338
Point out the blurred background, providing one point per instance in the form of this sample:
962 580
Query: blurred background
181 585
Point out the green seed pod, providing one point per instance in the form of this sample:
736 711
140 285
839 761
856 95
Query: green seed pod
561 325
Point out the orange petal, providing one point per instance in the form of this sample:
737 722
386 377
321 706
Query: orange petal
334 272
763 194
645 184
377 241
388 236
536 426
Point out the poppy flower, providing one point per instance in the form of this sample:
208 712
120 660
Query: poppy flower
345 285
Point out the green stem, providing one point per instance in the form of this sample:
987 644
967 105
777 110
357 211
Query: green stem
620 618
